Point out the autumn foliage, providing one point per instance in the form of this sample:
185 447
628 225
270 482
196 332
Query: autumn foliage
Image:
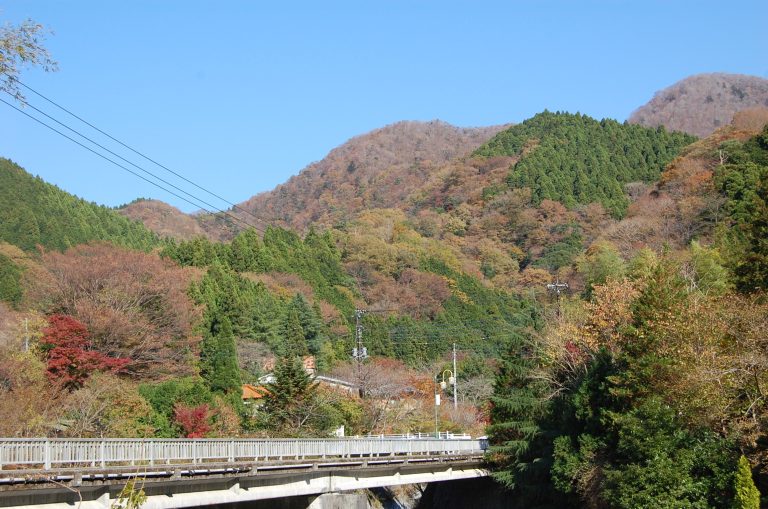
69 354
133 304
194 421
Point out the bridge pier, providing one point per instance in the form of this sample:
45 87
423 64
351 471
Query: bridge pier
340 501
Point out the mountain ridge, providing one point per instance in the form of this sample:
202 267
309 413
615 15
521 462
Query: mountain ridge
701 103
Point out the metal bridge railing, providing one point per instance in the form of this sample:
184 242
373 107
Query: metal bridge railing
420 434
61 453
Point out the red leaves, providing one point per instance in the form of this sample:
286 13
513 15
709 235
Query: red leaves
193 420
70 360
134 305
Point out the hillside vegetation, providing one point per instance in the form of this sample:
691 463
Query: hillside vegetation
701 103
646 390
35 213
158 343
642 385
376 170
577 160
163 219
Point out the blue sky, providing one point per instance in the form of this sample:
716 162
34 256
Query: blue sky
239 96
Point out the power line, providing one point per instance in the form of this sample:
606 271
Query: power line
137 152
214 207
110 160
198 205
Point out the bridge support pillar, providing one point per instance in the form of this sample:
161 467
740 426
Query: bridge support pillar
104 500
340 501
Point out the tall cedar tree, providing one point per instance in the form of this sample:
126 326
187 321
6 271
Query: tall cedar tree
218 357
294 338
520 434
10 281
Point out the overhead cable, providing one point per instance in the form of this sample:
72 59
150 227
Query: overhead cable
137 152
196 203
116 163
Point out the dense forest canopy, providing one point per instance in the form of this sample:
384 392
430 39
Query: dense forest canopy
647 390
35 213
575 159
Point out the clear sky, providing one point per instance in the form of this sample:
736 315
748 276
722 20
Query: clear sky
239 96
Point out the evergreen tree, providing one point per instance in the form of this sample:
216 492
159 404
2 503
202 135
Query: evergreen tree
289 404
292 336
578 160
520 434
747 496
218 357
10 281
743 182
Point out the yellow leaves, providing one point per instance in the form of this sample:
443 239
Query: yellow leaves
384 239
456 291
719 355
609 311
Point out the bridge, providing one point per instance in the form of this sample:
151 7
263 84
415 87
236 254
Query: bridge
176 473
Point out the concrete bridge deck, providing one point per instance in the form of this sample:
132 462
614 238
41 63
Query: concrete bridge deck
53 474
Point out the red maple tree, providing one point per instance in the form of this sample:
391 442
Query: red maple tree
69 355
193 420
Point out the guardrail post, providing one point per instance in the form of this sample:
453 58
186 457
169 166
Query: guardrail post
47 455
151 452
102 455
194 451
231 452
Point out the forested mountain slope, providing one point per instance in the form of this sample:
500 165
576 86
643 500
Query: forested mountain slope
574 159
529 197
645 390
163 219
33 212
375 170
701 103
131 340
686 203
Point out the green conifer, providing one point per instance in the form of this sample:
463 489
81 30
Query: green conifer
747 495
218 358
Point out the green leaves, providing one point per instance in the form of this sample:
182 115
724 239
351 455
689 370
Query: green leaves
10 281
747 496
218 358
33 212
575 159
744 184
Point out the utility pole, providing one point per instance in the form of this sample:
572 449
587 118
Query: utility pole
359 353
26 334
455 381
558 288
437 404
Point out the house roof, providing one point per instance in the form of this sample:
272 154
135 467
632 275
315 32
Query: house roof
254 391
308 361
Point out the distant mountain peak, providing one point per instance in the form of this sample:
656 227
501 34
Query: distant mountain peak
701 103
163 219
